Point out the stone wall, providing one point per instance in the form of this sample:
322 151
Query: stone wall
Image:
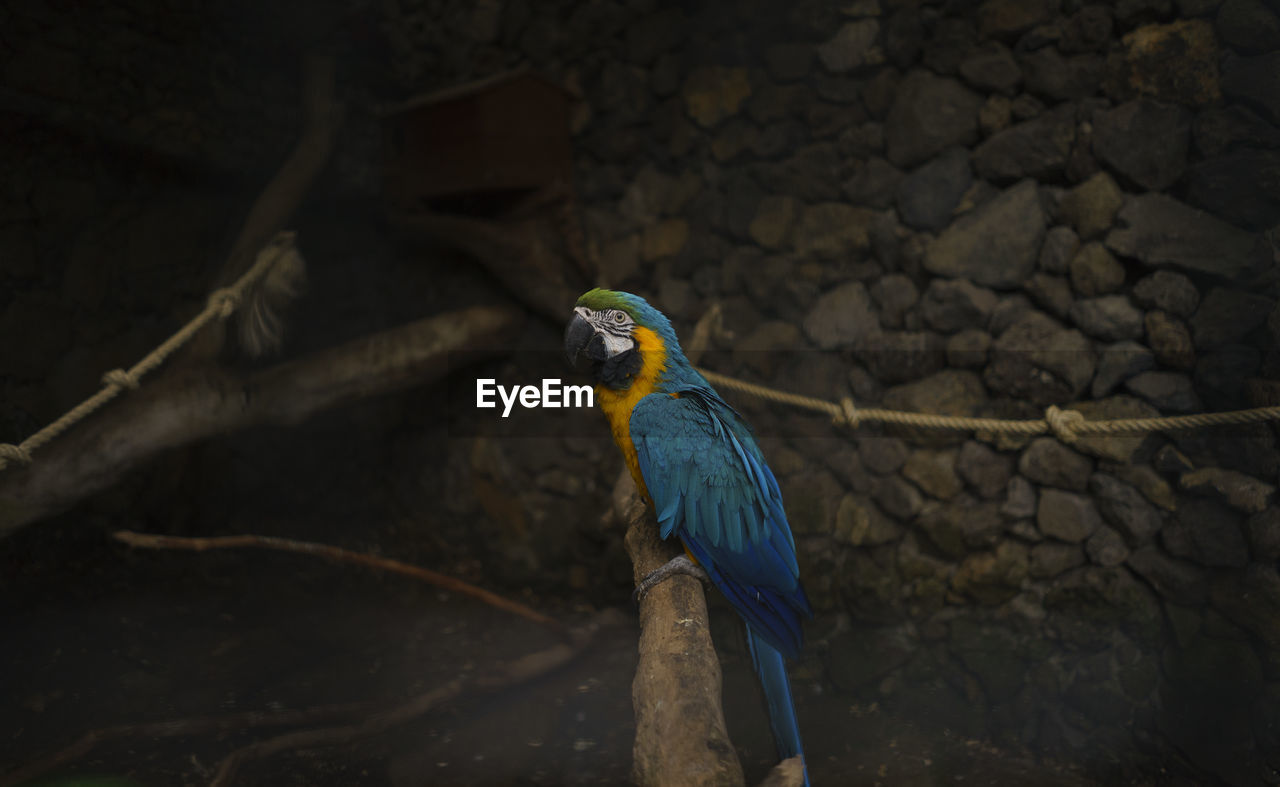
977 208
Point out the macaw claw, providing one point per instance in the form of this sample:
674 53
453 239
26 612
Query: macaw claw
676 565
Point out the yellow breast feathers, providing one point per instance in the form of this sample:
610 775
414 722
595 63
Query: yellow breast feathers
617 405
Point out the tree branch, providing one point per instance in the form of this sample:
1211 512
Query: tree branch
193 404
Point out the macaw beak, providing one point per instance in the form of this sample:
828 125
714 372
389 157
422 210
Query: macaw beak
579 336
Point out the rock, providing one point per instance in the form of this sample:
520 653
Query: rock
1167 291
1248 26
833 228
1125 509
950 40
898 497
1039 360
1251 599
812 500
1177 580
1048 462
927 197
663 239
841 318
1066 516
968 349
1168 391
1162 231
853 46
1020 499
1217 130
788 62
1095 272
1147 481
1037 148
1113 447
1255 81
1170 340
1094 601
847 466
991 68
996 244
1109 317
1117 363
1176 63
861 658
1006 19
1051 558
929 115
1087 30
654 34
882 455
764 349
770 103
901 356
1144 141
1007 312
814 174
934 472
1091 206
1263 532
860 523
1059 248
894 293
1170 460
950 305
985 470
773 220
1208 533
993 577
948 392
1048 74
1051 293
713 94
1228 315
874 184
962 524
1241 492
1242 186
995 114
1106 548
1222 374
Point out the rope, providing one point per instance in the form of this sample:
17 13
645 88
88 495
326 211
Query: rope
221 304
1066 425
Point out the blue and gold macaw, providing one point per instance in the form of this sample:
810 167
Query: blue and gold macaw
695 461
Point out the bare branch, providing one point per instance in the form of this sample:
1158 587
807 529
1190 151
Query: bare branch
192 404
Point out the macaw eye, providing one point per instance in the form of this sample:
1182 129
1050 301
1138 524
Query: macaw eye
619 317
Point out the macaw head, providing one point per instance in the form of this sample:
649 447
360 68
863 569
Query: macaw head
617 333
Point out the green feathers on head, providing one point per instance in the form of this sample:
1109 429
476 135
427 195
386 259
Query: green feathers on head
599 299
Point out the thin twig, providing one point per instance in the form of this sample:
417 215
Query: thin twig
521 670
152 541
175 728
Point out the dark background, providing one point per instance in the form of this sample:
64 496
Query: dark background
975 208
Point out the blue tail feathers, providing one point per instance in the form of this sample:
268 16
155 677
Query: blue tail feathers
772 669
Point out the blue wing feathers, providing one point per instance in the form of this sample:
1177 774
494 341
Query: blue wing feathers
711 487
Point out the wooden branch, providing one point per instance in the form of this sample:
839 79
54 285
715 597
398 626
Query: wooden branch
192 404
680 731
528 252
520 671
153 541
281 197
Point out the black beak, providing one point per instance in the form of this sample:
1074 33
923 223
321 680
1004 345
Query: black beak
577 336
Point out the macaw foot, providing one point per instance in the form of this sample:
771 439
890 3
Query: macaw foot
676 565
